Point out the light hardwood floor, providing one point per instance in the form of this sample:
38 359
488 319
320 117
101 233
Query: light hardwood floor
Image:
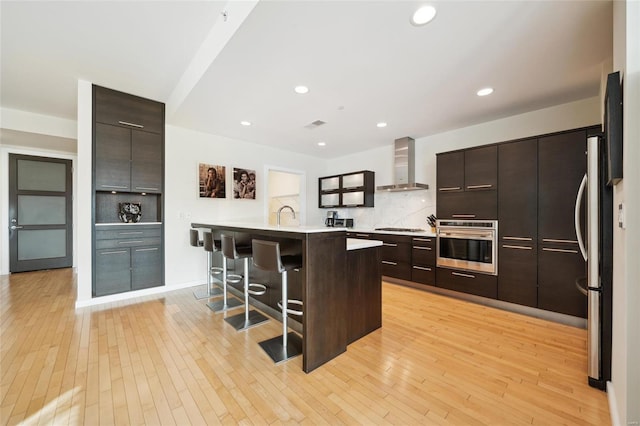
170 360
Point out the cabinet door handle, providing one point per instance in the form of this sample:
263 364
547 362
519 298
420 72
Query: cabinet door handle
131 242
147 249
428 240
450 188
479 186
463 275
464 215
551 240
115 186
386 262
560 250
362 235
517 238
130 233
389 244
113 252
516 247
126 123
421 248
422 268
147 188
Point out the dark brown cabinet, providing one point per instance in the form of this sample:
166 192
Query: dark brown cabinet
395 255
423 260
466 182
347 190
128 257
518 222
128 155
561 167
467 282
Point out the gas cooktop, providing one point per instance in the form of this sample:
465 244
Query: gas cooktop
400 229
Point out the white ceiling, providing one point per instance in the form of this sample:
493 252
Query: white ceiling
362 61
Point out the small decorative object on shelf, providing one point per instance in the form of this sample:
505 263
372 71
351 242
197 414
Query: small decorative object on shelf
130 212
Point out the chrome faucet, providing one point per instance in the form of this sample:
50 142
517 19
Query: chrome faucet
285 207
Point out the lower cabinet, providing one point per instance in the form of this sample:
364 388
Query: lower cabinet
127 258
395 255
467 282
558 268
518 273
423 260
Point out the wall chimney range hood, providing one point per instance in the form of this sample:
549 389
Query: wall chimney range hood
404 165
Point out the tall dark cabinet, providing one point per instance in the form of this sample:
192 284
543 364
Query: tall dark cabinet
128 165
561 166
518 222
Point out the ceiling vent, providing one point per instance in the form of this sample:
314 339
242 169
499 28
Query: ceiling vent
404 165
314 124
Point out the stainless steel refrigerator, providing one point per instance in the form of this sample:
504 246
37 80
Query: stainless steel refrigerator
596 245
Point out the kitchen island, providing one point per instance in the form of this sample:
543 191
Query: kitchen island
339 283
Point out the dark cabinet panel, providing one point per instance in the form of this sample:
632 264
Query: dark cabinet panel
518 190
113 271
364 293
467 205
558 268
146 267
122 109
395 255
561 166
146 162
112 158
423 260
518 273
450 171
480 168
467 282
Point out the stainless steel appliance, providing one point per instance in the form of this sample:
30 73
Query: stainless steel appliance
343 222
332 215
468 245
597 249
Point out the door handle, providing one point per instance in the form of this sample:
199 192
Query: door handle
14 227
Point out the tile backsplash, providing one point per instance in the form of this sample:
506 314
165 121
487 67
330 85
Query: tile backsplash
406 209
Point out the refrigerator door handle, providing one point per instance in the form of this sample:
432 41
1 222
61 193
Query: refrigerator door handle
583 185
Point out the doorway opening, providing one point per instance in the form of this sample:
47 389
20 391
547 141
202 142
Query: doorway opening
285 187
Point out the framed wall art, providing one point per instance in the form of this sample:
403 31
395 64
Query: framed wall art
211 181
244 184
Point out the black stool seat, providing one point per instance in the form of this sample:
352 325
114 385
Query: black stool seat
249 318
266 256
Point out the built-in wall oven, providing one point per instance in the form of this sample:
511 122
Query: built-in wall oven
468 245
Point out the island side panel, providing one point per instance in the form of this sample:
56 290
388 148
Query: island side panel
325 280
364 301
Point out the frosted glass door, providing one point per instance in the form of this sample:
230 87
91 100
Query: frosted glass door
40 228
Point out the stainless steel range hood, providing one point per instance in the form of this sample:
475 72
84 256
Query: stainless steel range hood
404 165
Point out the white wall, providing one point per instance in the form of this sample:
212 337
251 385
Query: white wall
624 389
185 149
410 209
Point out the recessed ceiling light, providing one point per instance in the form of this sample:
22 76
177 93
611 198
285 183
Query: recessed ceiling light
381 124
484 92
423 15
301 90
321 143
245 123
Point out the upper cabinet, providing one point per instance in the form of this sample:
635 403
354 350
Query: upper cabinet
467 182
129 142
347 190
129 111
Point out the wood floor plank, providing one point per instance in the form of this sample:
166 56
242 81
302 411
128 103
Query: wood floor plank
170 360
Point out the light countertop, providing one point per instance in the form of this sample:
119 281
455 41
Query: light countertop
357 243
306 229
373 231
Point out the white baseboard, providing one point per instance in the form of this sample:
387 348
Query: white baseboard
613 406
134 294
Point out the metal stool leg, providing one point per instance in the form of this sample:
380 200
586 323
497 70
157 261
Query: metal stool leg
226 303
249 318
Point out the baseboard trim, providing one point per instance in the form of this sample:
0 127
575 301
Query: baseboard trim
613 405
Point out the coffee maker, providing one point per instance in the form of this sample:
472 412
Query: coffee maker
332 215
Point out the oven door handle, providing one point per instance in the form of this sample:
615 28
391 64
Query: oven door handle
466 235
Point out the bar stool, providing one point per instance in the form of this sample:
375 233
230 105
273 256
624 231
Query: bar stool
226 303
253 317
266 256
209 290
